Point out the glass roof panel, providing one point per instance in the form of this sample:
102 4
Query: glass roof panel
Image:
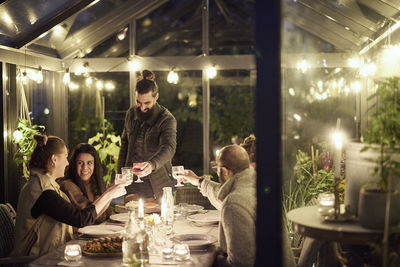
22 16
231 27
171 30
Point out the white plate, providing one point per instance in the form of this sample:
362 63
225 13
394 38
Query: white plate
195 240
101 230
211 217
192 208
120 217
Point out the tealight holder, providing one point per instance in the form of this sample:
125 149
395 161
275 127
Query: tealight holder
72 252
181 252
326 204
167 253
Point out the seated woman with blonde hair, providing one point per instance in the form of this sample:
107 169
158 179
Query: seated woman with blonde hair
45 215
84 181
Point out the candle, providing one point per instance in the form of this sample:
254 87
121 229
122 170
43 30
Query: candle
167 253
140 209
181 252
338 142
163 210
72 252
326 202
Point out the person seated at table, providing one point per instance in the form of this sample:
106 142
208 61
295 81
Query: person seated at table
84 181
45 215
237 193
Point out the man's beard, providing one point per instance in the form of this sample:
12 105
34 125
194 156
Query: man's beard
144 115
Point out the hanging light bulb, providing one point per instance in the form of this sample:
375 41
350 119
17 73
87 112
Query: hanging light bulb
39 78
99 85
73 86
134 65
173 77
67 77
109 86
89 81
122 34
211 72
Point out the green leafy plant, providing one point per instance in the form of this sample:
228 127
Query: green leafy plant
313 174
107 145
23 138
384 128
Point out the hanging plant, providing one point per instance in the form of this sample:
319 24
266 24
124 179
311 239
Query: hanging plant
23 138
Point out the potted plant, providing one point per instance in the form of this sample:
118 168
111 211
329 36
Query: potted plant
23 138
369 166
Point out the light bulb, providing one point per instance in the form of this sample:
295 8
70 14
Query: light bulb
99 85
89 81
173 77
211 72
39 78
133 65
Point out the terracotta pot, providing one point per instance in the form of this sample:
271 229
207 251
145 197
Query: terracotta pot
372 207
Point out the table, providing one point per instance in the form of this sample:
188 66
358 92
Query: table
202 257
306 221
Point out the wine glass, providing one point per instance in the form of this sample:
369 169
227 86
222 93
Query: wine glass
127 174
119 179
175 171
136 169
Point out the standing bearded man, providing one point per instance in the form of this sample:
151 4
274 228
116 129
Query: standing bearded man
148 141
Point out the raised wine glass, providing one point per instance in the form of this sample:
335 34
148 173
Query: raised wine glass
127 174
175 171
136 169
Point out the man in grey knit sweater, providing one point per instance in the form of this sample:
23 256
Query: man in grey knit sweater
235 196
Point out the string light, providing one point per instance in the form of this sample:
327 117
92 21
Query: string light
211 72
303 66
173 77
99 85
109 86
89 81
134 65
39 75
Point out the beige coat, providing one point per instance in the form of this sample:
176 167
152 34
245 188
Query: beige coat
38 236
236 199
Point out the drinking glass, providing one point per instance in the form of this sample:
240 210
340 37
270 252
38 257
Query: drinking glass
119 179
136 170
127 174
176 170
72 252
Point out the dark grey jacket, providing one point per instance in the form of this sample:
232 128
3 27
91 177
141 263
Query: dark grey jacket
159 145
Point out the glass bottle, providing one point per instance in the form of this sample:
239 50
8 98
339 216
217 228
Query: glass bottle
167 208
134 243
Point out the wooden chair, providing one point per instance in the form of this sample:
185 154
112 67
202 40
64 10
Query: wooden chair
7 237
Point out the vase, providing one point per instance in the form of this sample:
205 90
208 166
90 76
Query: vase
372 207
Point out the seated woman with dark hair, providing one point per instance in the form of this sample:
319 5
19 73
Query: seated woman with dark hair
84 181
45 215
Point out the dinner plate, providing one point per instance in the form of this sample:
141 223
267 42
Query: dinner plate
210 217
192 208
120 217
101 230
195 240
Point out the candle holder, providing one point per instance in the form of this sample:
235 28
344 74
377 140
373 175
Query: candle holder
326 202
72 253
181 252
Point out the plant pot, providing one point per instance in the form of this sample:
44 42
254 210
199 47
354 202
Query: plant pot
372 207
359 170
